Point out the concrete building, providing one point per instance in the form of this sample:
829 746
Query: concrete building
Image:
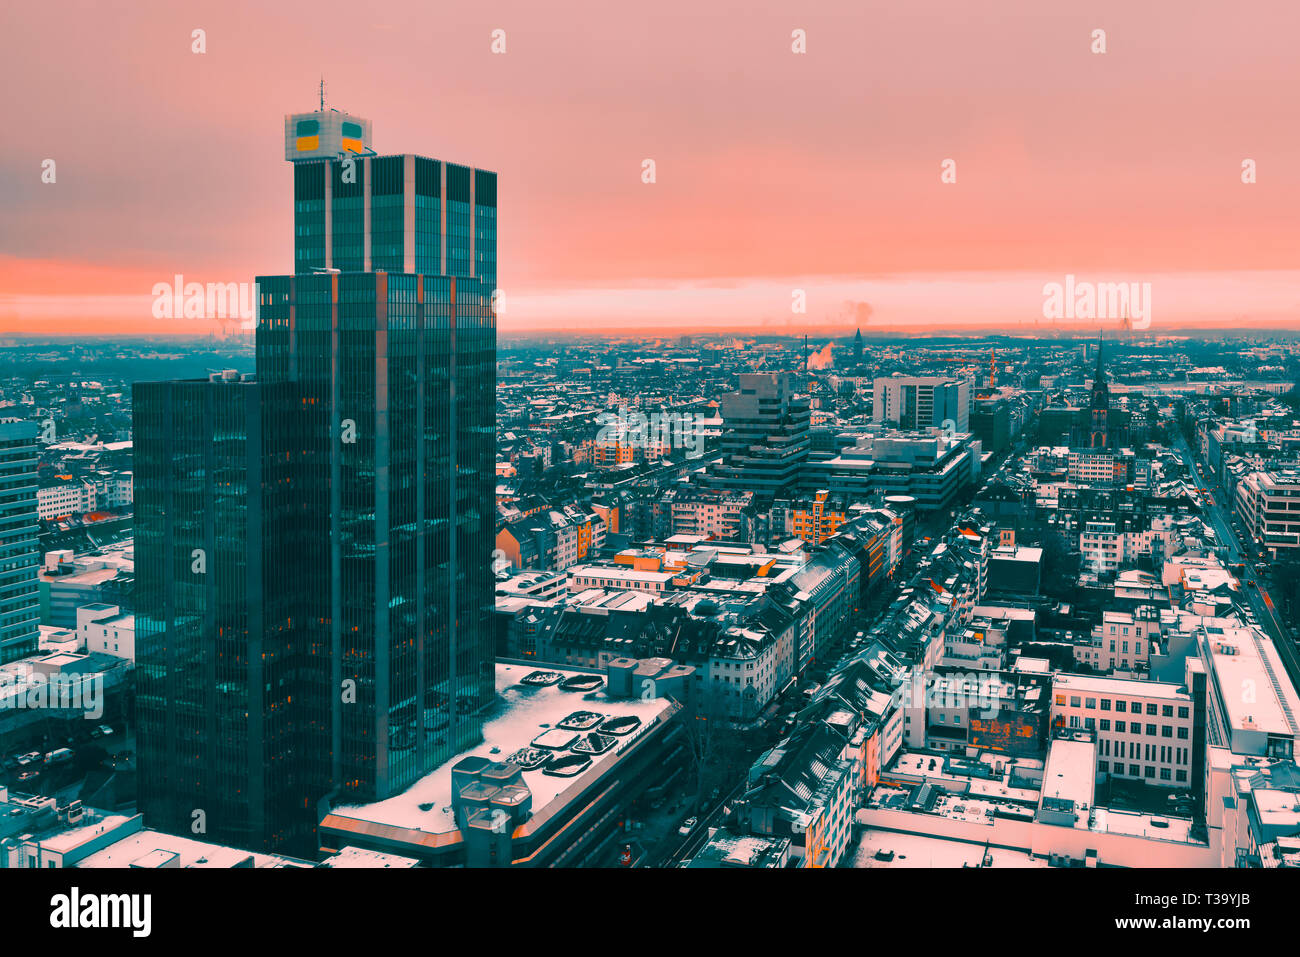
1144 729
922 402
561 760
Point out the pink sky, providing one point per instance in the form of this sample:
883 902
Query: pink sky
775 171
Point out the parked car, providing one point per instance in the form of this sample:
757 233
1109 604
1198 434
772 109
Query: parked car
688 825
59 756
30 757
103 731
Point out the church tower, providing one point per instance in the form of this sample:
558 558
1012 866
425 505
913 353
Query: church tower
1099 407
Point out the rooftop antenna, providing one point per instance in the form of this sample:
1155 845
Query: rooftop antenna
322 93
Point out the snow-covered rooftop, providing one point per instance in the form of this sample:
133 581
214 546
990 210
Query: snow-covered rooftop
522 714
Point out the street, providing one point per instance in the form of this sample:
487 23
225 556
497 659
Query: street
1257 598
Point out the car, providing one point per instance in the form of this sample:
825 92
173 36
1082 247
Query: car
1252 584
30 757
59 756
688 825
103 731
27 777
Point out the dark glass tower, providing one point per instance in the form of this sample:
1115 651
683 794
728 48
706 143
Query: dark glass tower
372 443
19 552
217 668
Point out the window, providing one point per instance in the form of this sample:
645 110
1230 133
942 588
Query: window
1074 701
1105 724
1105 702
1148 772
1165 774
1151 709
1182 733
1103 765
1167 711
1137 707
1134 770
1090 702
1180 775
1121 726
1121 706
1182 712
1151 730
1166 731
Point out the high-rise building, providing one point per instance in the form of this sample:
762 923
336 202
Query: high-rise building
219 686
765 436
19 552
921 402
369 431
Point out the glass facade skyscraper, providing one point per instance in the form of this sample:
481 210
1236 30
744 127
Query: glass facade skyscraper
217 665
371 439
19 551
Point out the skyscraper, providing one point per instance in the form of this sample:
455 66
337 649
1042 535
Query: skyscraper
370 427
765 436
220 742
19 552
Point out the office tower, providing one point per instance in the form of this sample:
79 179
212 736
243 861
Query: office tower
765 435
218 736
921 402
857 346
19 552
375 420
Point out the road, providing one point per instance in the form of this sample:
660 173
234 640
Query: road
700 833
1258 598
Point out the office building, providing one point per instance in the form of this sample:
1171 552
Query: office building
922 402
338 645
765 435
19 550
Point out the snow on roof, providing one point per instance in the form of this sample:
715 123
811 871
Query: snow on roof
521 714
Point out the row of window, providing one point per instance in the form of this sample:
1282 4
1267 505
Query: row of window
1147 771
1166 711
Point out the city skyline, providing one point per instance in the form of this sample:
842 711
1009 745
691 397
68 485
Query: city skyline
695 437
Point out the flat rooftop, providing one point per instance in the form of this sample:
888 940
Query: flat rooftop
1119 687
359 857
918 850
521 714
1071 771
143 849
1244 658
